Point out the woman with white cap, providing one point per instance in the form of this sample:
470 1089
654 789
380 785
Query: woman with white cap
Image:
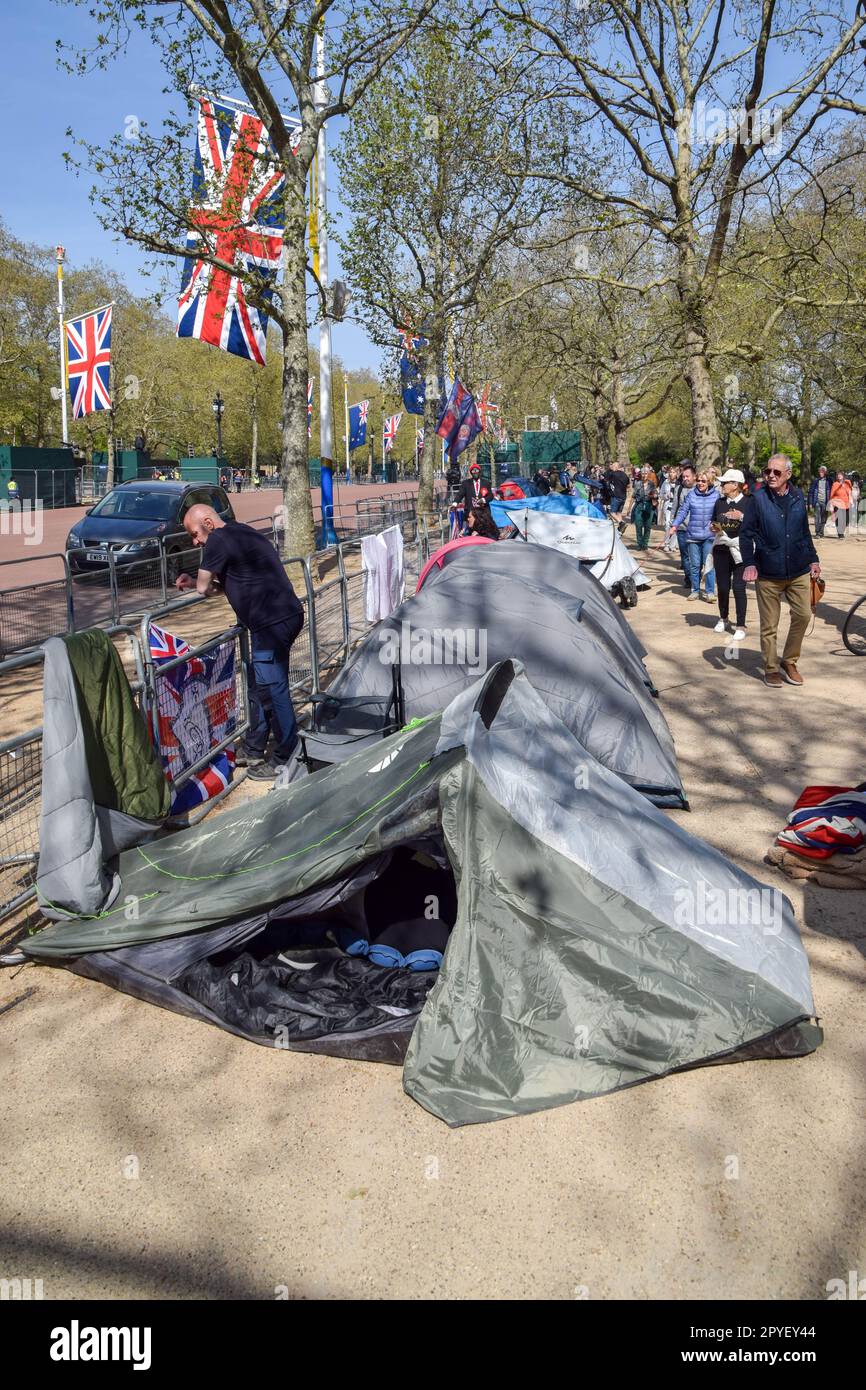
727 560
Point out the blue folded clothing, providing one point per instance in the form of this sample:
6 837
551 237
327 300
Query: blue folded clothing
415 945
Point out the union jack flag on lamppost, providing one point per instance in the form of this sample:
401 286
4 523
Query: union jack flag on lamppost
88 361
236 217
389 431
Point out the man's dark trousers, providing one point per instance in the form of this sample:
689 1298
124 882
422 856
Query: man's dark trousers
269 688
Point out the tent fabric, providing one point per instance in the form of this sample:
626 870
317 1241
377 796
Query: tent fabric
519 487
582 957
628 977
102 787
444 554
534 604
595 543
551 504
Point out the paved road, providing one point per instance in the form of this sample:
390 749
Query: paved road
55 527
33 597
254 1169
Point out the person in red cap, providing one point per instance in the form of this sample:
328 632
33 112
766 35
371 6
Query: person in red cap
473 490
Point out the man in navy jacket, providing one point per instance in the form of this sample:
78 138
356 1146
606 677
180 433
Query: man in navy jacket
779 555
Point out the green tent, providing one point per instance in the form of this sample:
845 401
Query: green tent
592 943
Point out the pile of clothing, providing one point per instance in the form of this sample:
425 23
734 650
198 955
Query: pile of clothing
825 838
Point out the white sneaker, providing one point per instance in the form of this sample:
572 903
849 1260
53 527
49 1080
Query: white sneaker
739 634
694 594
720 625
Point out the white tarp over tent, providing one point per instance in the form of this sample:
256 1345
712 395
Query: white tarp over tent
597 543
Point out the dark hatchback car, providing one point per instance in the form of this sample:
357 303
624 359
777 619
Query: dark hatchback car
131 519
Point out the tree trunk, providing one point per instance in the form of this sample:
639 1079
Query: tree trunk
427 468
300 538
806 433
706 447
706 450
749 440
602 423
620 427
805 454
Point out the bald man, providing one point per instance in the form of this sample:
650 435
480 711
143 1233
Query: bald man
246 567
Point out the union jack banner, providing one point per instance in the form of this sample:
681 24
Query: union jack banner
196 710
419 436
236 216
389 430
309 407
410 339
88 362
486 409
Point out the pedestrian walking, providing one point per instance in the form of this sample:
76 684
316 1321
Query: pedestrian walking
780 557
840 502
696 514
819 499
676 536
644 497
618 482
727 557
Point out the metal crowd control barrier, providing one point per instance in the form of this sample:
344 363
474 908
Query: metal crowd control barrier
76 597
335 620
20 801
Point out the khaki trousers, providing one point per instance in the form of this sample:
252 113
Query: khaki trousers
770 593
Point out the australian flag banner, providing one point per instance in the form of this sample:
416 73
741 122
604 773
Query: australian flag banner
459 422
411 375
358 425
197 709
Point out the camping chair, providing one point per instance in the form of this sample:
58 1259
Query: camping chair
370 718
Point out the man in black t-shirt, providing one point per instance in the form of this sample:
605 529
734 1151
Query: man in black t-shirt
617 480
245 565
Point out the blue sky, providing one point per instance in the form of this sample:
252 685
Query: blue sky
45 202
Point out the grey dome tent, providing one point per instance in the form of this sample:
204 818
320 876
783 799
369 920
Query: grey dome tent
494 602
593 942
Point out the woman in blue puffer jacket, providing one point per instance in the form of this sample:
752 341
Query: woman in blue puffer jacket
697 514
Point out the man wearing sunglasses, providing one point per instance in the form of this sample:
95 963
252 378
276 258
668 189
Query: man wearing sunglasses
780 556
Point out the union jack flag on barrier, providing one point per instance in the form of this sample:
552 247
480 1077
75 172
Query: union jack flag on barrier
88 361
196 710
389 430
237 217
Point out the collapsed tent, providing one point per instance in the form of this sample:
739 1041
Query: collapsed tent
505 600
595 542
581 956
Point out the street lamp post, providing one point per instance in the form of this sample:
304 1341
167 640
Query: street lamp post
218 408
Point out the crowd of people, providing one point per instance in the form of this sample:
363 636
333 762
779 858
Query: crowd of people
729 528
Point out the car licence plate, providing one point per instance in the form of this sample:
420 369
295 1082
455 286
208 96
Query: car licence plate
96 555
